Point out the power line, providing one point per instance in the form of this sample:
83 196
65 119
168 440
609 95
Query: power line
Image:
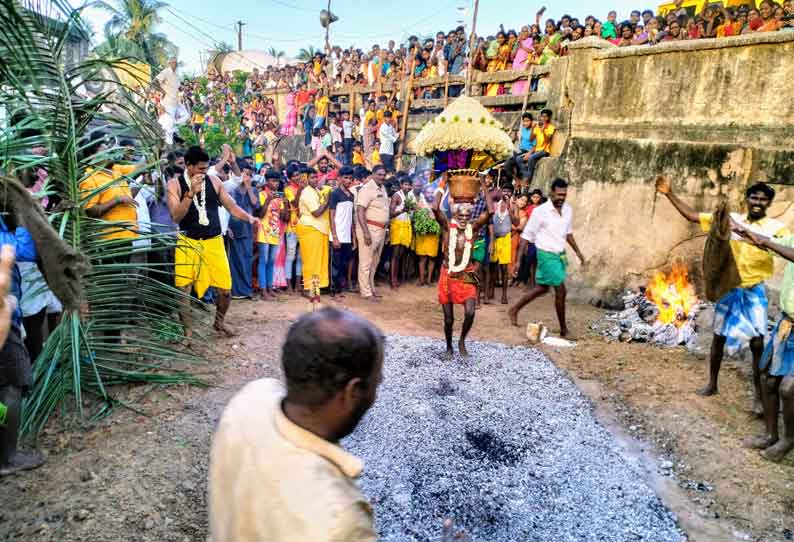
291 6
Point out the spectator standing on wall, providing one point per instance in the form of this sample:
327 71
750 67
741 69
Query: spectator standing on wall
388 136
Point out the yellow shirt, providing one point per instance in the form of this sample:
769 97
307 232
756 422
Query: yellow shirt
270 232
321 105
375 157
198 118
101 187
358 158
291 193
368 116
754 265
543 137
311 200
272 480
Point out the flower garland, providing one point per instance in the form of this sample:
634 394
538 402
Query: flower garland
453 245
201 204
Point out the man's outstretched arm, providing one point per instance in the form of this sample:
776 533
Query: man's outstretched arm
664 186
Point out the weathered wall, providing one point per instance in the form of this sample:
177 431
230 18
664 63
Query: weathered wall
715 115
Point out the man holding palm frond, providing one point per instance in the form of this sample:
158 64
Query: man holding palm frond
200 259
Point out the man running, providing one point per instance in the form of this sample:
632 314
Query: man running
200 257
550 227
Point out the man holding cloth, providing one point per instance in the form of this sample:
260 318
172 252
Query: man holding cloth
550 227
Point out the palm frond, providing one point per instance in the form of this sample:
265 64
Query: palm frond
55 105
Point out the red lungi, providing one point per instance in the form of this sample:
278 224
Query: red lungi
454 288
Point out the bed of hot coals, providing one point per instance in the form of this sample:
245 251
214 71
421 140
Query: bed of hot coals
640 321
504 444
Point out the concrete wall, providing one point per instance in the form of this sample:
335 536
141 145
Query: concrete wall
714 115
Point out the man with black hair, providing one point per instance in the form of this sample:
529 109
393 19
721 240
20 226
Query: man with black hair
293 265
647 15
550 228
341 208
387 136
518 165
200 259
740 316
241 236
400 231
372 217
277 471
542 133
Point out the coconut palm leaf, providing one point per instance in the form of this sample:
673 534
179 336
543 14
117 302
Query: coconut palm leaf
55 105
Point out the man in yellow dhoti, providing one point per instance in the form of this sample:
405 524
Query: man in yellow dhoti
425 244
200 257
400 234
313 228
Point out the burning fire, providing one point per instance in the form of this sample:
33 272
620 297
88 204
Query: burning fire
673 294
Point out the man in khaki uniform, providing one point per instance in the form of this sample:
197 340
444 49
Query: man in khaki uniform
277 472
372 211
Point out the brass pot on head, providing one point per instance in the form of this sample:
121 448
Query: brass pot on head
326 18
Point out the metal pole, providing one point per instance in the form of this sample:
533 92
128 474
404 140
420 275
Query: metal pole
470 68
240 26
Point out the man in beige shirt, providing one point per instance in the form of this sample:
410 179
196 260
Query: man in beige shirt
277 472
372 212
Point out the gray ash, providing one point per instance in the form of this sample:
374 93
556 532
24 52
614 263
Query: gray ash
503 444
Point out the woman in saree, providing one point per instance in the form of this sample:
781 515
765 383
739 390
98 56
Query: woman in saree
498 62
551 43
522 60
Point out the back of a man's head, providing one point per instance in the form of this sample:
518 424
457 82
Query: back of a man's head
324 351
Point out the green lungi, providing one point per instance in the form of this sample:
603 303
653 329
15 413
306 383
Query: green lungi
551 268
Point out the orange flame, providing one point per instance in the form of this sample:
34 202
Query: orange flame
673 294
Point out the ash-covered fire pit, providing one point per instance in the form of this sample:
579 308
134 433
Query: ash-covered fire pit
503 444
663 313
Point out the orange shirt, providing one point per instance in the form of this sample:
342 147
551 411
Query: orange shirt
102 187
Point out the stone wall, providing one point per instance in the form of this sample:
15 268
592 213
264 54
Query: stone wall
714 115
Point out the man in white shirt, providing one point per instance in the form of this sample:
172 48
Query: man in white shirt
175 113
550 227
388 137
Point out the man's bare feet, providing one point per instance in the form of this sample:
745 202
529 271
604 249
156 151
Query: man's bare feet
22 461
450 353
513 315
223 329
504 300
565 332
757 408
708 391
761 442
462 349
778 452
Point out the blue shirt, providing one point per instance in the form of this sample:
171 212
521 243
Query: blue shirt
527 142
25 249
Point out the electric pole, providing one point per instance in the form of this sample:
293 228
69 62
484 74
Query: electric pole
240 26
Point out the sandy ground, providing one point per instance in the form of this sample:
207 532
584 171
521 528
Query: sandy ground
135 477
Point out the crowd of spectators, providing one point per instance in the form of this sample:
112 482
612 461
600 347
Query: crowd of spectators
242 107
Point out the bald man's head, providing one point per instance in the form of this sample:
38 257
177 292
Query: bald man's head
326 350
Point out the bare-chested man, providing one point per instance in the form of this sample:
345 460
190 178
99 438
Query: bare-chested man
458 282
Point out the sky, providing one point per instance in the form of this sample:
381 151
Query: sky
289 25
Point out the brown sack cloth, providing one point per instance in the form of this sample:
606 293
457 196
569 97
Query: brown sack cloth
719 267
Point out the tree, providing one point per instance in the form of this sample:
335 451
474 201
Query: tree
278 55
132 27
48 103
307 54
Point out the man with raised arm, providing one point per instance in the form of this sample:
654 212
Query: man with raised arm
740 316
200 257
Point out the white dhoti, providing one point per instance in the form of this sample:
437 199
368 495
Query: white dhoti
174 115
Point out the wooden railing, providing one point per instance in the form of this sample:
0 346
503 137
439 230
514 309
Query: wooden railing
345 96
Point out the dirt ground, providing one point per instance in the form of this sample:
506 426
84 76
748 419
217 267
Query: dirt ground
135 477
